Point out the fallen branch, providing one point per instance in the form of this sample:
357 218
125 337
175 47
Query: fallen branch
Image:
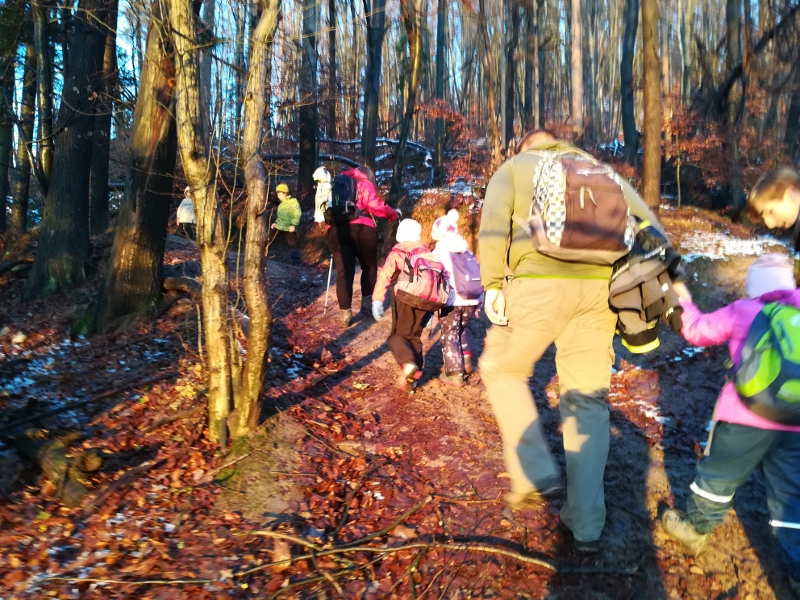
227 464
114 486
73 405
184 414
183 284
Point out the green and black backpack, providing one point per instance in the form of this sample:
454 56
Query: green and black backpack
768 380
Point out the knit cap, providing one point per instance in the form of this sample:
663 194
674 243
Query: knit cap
769 273
445 226
282 187
408 231
321 174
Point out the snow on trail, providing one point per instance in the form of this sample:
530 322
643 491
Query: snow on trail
716 245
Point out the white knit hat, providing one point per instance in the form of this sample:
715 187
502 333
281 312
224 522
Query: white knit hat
321 174
446 225
408 231
769 273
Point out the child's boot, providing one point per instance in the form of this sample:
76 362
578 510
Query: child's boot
409 377
468 368
681 530
294 254
454 380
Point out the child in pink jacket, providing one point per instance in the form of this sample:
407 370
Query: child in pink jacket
740 441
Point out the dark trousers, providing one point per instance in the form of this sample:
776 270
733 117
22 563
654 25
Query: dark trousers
348 243
405 340
454 321
733 453
289 236
186 230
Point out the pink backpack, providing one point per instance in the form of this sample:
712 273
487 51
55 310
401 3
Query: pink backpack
422 283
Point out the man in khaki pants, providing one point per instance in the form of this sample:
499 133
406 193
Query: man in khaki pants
547 301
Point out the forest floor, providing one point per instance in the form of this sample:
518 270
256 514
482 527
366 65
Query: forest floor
343 455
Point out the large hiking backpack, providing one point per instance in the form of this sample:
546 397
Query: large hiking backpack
466 275
341 208
768 380
422 283
578 211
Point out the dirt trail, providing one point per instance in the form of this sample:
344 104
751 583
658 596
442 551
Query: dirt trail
444 443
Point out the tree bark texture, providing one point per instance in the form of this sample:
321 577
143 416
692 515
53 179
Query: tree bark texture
334 92
651 169
792 135
209 12
101 138
63 253
245 417
510 78
495 141
199 167
441 21
376 29
308 103
733 55
626 81
132 284
577 71
7 78
22 182
44 89
411 16
531 95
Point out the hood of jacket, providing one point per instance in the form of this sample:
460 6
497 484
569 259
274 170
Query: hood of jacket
453 243
409 246
322 174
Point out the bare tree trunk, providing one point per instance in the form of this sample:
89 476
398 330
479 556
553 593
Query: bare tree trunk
651 170
308 103
44 88
497 156
411 15
22 183
510 78
531 65
209 14
132 283
376 28
7 80
441 20
626 81
733 56
352 124
245 417
334 92
792 135
667 98
577 72
101 137
200 169
63 253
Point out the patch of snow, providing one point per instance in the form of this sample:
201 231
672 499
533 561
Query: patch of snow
716 245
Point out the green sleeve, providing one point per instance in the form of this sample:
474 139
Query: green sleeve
295 214
638 207
498 206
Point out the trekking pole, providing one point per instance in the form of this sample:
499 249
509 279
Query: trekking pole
327 289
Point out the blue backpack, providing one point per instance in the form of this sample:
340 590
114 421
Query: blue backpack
466 275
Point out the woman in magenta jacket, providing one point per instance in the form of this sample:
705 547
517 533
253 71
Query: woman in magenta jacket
358 240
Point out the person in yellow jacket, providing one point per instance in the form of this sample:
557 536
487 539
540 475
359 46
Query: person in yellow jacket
547 301
288 220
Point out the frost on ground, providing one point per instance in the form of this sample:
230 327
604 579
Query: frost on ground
716 245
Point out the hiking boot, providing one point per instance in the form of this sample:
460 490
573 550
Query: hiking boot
294 255
468 368
408 378
455 380
681 530
344 317
536 498
592 547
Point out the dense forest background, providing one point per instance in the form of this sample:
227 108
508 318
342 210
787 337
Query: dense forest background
142 98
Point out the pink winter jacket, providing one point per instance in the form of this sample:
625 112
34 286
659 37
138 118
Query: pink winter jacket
731 324
368 201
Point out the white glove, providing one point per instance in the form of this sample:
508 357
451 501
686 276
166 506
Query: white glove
377 310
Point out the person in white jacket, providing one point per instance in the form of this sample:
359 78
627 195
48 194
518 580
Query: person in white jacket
186 216
323 195
455 316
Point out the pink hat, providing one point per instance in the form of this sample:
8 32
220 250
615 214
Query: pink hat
445 226
769 273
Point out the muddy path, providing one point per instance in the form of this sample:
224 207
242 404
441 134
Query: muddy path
378 451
